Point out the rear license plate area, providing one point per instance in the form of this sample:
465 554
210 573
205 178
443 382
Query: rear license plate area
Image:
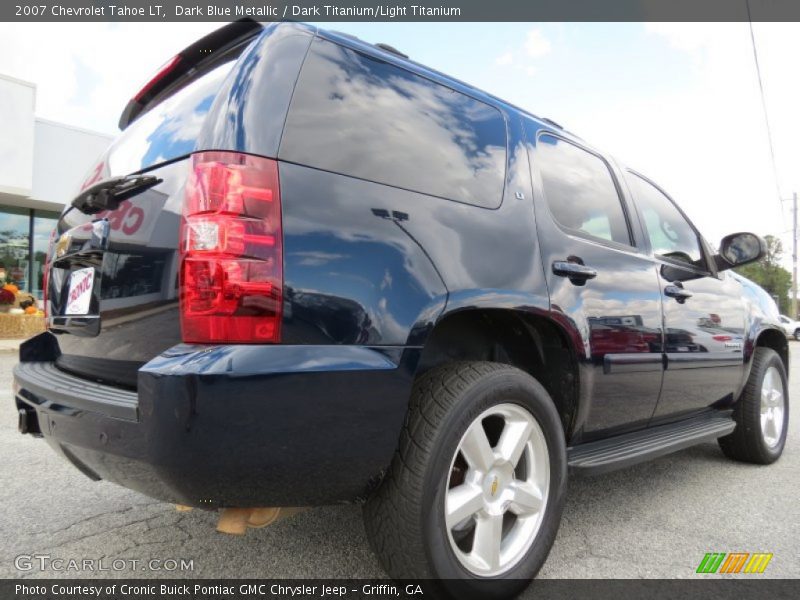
79 291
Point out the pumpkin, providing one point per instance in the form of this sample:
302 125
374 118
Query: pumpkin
31 310
11 288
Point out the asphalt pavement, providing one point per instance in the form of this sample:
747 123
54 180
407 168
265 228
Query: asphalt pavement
654 520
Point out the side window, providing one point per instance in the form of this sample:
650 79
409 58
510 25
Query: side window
580 190
362 117
671 235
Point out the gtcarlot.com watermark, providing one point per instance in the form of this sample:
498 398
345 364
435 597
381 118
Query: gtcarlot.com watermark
48 562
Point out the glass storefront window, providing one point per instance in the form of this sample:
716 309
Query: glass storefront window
14 246
24 239
43 224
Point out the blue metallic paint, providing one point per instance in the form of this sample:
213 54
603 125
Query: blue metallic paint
369 271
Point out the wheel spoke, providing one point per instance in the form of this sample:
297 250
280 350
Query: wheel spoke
527 498
772 374
772 426
488 535
771 390
768 383
513 439
462 502
476 448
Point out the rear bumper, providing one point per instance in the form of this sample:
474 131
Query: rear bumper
229 425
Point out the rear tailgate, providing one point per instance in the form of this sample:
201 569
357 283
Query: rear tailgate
113 283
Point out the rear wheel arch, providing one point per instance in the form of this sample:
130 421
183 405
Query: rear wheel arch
530 342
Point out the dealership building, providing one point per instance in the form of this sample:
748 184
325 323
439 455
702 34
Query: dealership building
41 166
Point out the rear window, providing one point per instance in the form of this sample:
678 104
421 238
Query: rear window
362 117
170 129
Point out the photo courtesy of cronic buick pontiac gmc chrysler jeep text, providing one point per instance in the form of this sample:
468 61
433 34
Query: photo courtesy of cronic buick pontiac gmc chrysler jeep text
312 271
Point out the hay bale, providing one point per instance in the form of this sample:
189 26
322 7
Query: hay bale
20 326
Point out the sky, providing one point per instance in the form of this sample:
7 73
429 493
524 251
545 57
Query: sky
678 102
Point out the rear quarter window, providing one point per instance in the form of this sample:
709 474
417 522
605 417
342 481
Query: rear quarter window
362 117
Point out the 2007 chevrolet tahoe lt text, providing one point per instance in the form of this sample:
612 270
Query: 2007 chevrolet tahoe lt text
312 271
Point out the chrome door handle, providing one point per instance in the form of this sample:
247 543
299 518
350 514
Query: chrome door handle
576 272
677 292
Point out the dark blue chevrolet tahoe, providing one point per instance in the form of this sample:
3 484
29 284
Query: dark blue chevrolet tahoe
311 271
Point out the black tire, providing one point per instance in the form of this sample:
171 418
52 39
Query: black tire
747 443
797 334
404 518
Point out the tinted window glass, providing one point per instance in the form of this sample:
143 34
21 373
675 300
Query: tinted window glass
580 190
671 235
128 275
357 116
43 225
14 246
168 130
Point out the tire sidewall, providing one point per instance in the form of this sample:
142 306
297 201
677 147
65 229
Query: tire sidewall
514 387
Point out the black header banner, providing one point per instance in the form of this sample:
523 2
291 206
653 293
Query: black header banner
416 10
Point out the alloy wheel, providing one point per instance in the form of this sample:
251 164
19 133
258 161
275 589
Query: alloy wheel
497 490
772 407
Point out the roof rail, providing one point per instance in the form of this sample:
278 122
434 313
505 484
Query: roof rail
553 123
390 49
347 35
381 45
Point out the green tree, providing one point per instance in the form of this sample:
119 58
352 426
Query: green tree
770 275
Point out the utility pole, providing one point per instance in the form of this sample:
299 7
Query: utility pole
794 256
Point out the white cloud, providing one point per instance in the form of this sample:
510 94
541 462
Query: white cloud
505 59
536 44
688 37
534 47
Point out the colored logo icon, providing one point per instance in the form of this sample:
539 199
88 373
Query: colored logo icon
734 562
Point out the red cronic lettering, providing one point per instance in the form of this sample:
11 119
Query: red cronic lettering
127 218
117 217
79 289
94 177
137 214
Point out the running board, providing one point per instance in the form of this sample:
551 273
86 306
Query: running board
628 449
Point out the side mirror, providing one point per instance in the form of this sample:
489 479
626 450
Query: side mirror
738 249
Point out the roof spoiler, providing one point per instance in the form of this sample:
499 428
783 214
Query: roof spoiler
187 64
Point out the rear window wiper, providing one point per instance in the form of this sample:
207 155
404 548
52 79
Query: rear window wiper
107 194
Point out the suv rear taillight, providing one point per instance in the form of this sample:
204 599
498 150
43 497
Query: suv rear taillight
231 243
